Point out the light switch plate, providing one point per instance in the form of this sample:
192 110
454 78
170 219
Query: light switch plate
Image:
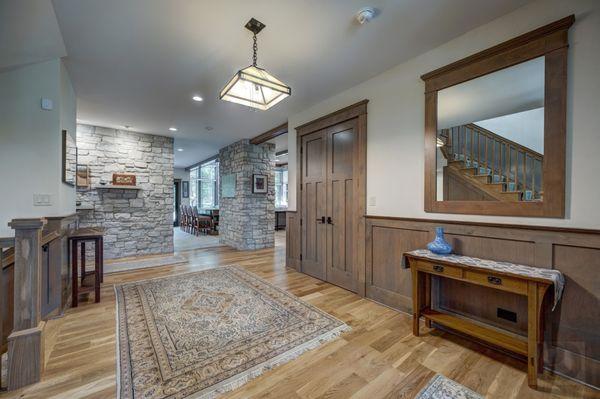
42 200
47 104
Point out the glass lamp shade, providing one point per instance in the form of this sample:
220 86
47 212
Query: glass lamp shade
255 87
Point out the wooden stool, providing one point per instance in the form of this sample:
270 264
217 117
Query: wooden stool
80 237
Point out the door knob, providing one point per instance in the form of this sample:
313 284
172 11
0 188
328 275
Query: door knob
329 221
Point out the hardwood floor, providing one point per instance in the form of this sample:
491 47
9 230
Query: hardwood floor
378 358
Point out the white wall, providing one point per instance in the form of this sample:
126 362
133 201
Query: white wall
396 117
31 141
68 122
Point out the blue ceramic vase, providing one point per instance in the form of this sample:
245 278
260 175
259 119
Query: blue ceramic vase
439 245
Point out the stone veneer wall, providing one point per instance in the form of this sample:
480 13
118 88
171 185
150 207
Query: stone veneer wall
247 221
137 222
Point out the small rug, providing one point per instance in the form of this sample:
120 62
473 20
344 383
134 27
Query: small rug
200 334
126 265
440 387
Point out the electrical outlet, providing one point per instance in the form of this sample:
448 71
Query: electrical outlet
42 200
506 315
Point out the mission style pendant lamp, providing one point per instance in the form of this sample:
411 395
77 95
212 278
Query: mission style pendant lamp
254 86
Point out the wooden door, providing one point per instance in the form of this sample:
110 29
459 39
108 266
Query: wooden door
341 145
313 187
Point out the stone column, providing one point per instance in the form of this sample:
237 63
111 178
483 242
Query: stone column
26 343
247 221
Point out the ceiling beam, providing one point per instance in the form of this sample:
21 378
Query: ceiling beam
271 134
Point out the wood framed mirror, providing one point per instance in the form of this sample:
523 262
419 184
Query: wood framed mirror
495 128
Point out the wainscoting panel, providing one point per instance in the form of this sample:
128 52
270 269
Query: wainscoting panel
572 331
293 242
386 282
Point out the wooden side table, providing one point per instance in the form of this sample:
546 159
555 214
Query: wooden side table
533 283
78 239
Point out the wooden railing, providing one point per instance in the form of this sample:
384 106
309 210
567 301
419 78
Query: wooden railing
515 166
21 300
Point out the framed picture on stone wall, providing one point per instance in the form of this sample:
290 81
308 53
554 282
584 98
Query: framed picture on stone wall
259 184
185 189
123 179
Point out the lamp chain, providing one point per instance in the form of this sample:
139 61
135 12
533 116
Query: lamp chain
255 49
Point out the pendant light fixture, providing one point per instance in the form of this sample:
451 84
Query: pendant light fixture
254 86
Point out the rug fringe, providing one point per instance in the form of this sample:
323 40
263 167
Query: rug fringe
250 374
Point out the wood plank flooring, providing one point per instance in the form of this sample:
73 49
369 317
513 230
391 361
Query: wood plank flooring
378 358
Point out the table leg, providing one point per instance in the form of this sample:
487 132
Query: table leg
416 294
74 278
540 336
101 259
532 333
97 271
82 262
428 296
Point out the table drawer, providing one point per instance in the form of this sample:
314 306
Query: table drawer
442 270
497 281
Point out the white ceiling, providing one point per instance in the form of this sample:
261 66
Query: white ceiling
138 62
29 33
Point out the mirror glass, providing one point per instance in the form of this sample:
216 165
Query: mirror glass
69 159
490 137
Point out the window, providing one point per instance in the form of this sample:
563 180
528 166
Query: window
194 186
281 188
208 185
204 185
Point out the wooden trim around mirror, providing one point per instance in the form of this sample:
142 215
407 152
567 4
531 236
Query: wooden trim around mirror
550 41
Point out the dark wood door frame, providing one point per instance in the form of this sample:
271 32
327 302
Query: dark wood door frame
359 111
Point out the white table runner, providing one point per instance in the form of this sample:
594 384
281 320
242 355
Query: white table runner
554 277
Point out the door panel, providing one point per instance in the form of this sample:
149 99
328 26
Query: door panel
314 192
340 205
342 143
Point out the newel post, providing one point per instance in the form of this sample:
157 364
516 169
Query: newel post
26 343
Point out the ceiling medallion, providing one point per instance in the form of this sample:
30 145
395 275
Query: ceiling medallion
254 86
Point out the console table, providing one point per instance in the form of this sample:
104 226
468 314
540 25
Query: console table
524 280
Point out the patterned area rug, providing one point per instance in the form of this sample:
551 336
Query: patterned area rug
200 334
441 387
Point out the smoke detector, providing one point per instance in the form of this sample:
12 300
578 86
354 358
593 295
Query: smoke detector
365 14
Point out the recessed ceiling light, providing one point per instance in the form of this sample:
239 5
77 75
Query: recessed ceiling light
197 98
173 129
180 149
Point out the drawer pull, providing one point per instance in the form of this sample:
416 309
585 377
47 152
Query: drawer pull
494 280
438 268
